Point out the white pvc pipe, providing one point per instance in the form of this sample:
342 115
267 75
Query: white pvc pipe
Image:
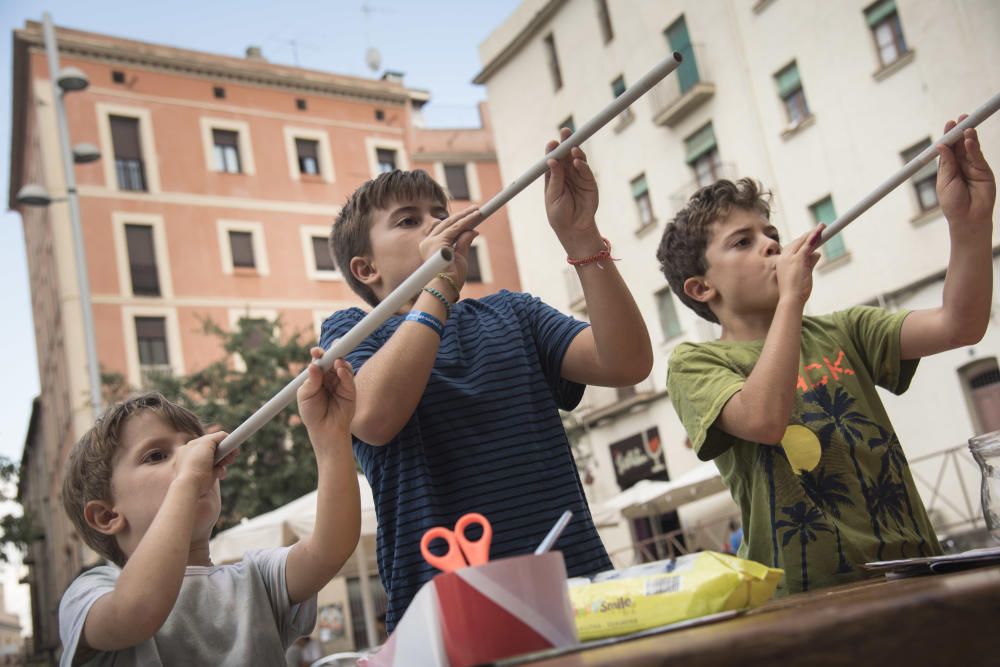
369 323
412 285
912 167
618 105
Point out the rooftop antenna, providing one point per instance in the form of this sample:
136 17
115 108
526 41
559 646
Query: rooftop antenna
373 58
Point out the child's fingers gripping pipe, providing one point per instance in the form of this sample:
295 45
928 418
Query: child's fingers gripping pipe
806 242
814 238
197 457
209 440
796 245
818 232
461 219
464 242
344 380
556 172
948 167
959 147
326 379
464 222
314 379
316 353
213 440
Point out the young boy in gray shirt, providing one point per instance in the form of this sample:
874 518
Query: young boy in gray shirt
142 489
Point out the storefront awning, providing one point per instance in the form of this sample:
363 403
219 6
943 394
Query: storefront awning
649 497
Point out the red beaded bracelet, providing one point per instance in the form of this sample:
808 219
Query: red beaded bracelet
604 255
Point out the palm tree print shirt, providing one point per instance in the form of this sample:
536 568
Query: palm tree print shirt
837 491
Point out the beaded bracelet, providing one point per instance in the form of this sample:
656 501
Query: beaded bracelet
604 255
427 320
451 281
441 298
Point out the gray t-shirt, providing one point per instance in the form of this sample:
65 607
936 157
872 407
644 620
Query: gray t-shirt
235 614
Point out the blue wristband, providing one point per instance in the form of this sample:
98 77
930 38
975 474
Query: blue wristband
427 320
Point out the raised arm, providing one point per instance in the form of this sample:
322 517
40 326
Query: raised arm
967 192
326 404
392 381
615 351
759 412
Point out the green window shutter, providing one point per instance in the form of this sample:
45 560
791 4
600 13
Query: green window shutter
667 311
788 80
618 86
929 169
699 143
639 187
824 211
879 12
834 248
680 41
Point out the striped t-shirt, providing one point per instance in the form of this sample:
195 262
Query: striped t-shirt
486 437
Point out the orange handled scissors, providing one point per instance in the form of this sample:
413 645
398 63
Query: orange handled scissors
462 551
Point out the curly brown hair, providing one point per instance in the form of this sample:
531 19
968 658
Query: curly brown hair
351 233
93 457
682 248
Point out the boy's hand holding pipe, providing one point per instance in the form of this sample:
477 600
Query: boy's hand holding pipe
571 200
456 231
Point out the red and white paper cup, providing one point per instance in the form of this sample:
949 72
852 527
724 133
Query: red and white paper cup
479 614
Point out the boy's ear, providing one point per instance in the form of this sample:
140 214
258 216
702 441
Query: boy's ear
363 270
698 289
102 517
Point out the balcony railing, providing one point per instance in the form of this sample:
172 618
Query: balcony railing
131 175
948 482
681 93
605 403
148 373
708 536
679 198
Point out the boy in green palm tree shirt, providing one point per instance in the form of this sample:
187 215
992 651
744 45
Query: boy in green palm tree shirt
786 405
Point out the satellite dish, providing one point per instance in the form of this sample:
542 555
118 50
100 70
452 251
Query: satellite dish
373 58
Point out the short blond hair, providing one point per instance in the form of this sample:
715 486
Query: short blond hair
92 460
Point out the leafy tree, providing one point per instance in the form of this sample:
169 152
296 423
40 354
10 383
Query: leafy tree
16 529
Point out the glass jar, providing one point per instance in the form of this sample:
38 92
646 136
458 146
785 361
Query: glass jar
986 450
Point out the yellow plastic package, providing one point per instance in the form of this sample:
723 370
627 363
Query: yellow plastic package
654 594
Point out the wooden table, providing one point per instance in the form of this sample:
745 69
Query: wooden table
939 620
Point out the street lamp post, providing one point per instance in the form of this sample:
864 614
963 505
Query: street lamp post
63 82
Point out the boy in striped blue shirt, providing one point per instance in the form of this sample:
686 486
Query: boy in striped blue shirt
458 399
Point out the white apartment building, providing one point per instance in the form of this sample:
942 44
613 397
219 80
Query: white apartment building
821 101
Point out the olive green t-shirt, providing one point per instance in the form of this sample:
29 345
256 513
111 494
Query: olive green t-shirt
837 492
